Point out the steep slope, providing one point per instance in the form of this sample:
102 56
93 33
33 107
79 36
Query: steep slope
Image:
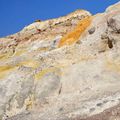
62 69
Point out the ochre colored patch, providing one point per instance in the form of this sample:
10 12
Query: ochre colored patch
4 70
2 56
73 36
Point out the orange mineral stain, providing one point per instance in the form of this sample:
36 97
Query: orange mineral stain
73 36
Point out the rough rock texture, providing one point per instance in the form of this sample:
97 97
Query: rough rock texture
62 69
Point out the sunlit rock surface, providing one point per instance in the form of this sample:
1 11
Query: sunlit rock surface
62 69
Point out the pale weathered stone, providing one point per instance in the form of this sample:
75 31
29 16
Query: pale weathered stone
61 69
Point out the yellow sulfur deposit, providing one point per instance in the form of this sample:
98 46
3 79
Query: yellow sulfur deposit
73 36
40 74
5 56
2 56
29 63
4 70
29 102
7 68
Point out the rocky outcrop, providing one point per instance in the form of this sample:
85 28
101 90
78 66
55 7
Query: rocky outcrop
62 69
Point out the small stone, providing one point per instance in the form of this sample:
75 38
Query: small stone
61 109
37 20
92 30
99 104
92 109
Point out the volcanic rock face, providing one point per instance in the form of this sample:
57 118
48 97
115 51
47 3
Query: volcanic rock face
62 69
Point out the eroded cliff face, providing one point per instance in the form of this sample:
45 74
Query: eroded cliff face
61 69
